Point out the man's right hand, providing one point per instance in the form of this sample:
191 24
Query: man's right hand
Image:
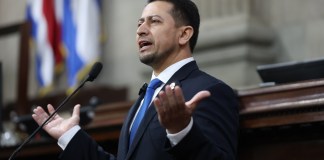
57 126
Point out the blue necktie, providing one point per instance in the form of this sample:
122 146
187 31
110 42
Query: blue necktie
155 83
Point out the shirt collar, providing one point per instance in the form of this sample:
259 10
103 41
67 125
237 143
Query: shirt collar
166 74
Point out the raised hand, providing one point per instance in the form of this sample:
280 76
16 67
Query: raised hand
57 126
173 112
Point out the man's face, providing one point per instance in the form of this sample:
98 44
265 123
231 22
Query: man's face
156 34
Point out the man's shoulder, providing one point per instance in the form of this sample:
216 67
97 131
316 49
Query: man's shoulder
203 80
206 78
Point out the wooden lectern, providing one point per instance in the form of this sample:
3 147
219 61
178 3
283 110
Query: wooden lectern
282 122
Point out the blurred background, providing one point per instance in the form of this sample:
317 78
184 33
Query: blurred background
235 37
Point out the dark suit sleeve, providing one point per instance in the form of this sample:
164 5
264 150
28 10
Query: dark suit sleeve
214 133
83 147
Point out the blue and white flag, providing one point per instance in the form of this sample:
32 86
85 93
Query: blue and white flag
81 31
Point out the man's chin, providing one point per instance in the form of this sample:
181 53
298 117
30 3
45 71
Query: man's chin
148 60
145 62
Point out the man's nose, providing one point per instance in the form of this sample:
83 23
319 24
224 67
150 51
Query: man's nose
142 30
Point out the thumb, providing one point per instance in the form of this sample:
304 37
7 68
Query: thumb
76 111
197 98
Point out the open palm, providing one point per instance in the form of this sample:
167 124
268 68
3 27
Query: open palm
57 126
173 112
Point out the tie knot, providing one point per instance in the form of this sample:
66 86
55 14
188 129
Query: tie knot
155 83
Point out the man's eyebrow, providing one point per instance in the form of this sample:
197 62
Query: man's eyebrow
148 17
140 19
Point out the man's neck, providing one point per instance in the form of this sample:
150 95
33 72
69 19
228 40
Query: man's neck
184 54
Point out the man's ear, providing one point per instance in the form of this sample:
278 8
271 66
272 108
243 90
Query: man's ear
186 33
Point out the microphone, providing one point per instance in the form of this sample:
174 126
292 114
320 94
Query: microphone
142 89
94 72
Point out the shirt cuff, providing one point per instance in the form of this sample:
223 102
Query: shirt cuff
177 137
64 140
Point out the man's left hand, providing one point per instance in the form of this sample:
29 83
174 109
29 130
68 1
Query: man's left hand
173 112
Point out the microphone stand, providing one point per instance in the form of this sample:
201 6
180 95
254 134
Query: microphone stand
46 121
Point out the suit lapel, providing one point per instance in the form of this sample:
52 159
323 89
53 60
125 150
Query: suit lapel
181 74
124 135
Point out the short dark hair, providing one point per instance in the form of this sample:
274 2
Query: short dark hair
185 12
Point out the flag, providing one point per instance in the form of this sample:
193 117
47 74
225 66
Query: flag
81 29
74 24
46 38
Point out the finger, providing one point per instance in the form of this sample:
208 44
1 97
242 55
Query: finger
169 95
197 98
76 111
172 102
39 111
163 99
158 106
179 96
158 102
50 109
37 119
39 115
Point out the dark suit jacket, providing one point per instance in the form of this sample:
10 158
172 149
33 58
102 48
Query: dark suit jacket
214 134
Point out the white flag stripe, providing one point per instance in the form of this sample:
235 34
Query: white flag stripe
88 31
43 48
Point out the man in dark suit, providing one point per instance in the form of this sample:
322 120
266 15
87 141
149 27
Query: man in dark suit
193 115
